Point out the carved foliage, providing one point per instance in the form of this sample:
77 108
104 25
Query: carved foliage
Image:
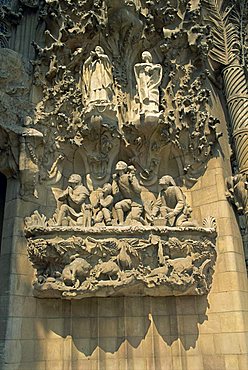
178 117
88 266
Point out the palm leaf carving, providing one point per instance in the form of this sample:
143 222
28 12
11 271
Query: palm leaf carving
226 43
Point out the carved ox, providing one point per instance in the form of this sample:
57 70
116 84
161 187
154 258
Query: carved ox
76 272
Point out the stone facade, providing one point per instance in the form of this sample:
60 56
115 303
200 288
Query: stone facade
123 158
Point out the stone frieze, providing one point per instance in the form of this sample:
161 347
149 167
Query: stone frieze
74 262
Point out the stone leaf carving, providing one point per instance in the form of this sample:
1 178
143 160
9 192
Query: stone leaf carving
237 192
104 262
30 3
104 89
124 91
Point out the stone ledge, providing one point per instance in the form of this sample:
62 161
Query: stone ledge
117 230
76 262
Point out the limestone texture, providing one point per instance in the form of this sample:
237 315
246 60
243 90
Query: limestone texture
123 170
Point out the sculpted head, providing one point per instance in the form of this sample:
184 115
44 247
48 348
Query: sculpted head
121 167
132 169
107 189
166 181
74 180
99 50
146 57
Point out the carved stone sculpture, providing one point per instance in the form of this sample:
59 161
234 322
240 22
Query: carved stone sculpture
137 261
76 272
171 204
119 242
103 206
97 78
237 192
75 207
127 192
124 202
148 77
133 135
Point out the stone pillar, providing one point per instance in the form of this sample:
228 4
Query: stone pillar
237 100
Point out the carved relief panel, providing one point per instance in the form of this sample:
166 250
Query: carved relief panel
122 91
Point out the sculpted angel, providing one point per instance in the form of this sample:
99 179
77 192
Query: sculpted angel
97 78
148 76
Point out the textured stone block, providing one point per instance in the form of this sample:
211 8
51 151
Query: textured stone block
84 328
230 343
214 362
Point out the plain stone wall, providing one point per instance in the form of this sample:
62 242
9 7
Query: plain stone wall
143 333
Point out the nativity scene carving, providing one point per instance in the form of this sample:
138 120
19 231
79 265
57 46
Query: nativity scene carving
131 132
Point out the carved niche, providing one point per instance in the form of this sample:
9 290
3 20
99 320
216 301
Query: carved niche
124 95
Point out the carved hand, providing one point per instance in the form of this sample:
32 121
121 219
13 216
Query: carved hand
170 215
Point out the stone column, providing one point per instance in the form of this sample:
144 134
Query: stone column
237 100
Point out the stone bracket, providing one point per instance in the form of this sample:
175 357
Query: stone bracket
76 262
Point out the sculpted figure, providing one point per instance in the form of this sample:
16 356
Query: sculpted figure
103 208
107 270
171 203
76 202
148 77
127 192
97 77
77 270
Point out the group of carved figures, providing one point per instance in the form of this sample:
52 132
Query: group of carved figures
122 202
98 82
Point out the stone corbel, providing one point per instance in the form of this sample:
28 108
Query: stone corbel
112 261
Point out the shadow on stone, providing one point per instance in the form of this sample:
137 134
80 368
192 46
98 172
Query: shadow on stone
111 325
179 318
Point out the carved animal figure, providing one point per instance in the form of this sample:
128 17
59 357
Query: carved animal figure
107 270
160 271
123 258
182 265
76 271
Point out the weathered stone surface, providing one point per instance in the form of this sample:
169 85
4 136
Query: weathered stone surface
110 261
111 117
